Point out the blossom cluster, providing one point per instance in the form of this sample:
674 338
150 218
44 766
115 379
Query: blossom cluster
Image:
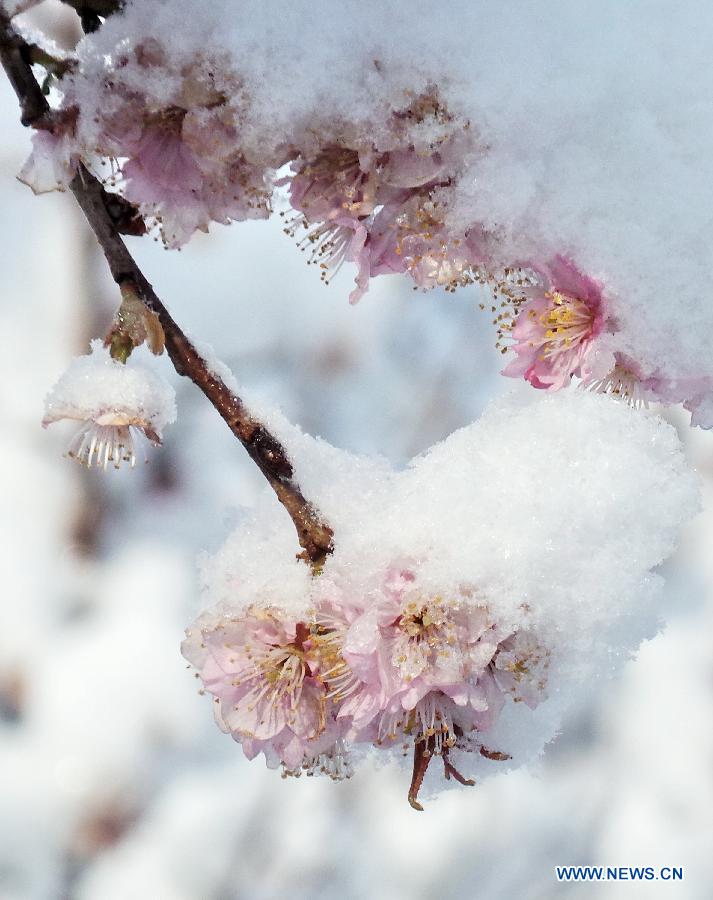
457 618
385 207
172 127
400 670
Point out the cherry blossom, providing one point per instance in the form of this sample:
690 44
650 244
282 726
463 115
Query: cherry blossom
556 327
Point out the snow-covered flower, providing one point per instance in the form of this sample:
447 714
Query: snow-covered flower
120 407
433 254
398 665
408 646
339 198
556 327
333 183
433 670
185 170
375 205
169 127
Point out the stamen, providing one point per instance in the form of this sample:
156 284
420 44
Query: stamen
621 382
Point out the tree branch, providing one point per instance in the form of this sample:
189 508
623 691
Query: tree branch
100 7
90 11
15 55
314 535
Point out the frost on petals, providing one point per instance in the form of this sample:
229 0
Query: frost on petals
381 206
169 127
120 408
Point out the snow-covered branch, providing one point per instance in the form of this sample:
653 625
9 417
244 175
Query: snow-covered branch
314 535
464 607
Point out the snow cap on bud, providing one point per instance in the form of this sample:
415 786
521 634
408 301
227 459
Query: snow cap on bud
118 406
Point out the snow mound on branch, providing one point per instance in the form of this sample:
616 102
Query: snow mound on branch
571 148
554 513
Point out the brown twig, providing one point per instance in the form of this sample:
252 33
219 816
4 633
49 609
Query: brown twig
91 12
100 7
37 55
14 52
314 535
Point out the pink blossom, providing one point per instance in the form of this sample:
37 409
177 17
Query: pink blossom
556 327
520 667
379 252
333 185
426 665
263 669
162 168
436 257
255 666
175 153
347 215
376 207
407 235
399 663
186 173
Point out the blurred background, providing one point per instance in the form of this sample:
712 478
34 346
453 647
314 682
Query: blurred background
114 782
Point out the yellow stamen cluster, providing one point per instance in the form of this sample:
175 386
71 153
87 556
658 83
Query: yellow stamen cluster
427 633
567 321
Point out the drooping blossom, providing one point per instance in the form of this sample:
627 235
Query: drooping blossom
628 381
624 381
120 408
339 201
433 670
262 667
557 324
405 234
377 206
